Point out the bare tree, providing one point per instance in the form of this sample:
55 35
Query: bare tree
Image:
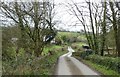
81 19
94 15
95 46
34 19
118 23
99 25
103 29
114 18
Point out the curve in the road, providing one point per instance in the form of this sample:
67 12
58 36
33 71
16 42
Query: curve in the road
68 65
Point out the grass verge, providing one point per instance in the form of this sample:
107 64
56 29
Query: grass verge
100 68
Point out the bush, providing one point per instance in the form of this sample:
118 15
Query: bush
109 62
21 52
64 38
11 53
23 63
76 53
85 53
74 46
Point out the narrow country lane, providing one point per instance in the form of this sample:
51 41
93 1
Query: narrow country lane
68 65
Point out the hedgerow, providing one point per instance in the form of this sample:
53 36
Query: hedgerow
109 62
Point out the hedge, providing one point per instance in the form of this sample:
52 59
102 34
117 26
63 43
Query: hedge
109 62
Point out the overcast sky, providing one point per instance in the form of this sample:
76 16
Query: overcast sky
68 22
64 18
67 19
61 14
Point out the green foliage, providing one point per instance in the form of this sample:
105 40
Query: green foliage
9 46
82 38
110 39
76 53
70 37
48 63
77 46
102 69
68 34
83 54
109 62
64 38
53 49
58 40
28 64
21 52
11 52
98 67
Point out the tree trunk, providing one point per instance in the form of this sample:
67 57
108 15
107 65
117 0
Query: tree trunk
118 24
118 41
94 46
103 30
103 45
114 22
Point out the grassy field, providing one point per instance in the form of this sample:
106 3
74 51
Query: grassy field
68 34
71 34
53 48
79 39
77 46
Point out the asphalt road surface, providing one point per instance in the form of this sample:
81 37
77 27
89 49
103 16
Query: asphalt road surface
68 65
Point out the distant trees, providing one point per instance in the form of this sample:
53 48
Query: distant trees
96 19
34 18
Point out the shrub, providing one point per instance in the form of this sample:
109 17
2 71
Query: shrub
21 52
28 64
76 53
11 53
109 62
74 46
64 38
85 53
